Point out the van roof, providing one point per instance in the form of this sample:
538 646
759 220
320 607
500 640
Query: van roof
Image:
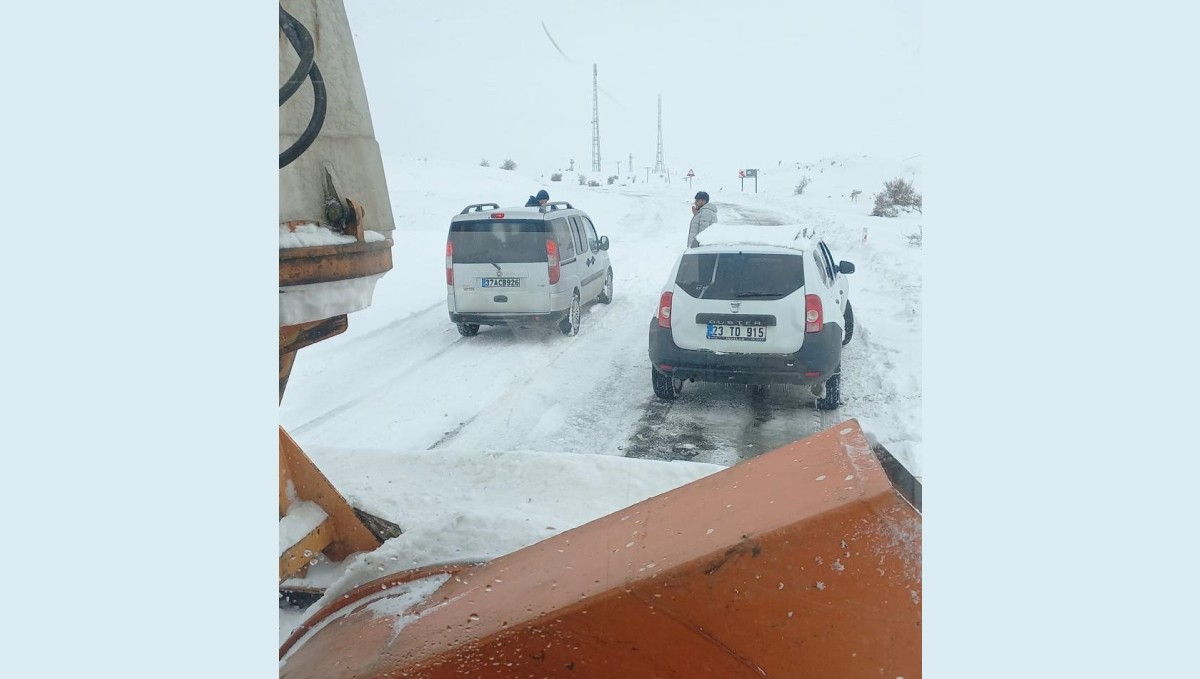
485 210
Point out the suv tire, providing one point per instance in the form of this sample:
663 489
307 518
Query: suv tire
665 387
833 392
570 325
849 332
468 329
606 293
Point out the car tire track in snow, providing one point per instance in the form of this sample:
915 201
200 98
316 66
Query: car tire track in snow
369 393
742 214
723 423
440 304
453 432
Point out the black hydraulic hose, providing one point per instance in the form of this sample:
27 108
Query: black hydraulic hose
302 41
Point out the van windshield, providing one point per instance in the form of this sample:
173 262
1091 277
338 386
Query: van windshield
498 242
740 275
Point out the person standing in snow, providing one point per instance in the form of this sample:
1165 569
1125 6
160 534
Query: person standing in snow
539 200
703 216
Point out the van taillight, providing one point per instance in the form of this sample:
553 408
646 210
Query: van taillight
664 310
552 261
813 318
449 263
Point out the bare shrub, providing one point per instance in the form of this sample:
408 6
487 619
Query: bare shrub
556 177
508 164
804 181
898 196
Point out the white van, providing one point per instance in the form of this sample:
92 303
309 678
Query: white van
524 266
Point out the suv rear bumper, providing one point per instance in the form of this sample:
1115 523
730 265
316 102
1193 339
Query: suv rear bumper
548 317
821 354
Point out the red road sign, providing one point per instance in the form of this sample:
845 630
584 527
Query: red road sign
691 174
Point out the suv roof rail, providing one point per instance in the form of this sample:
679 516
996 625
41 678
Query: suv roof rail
554 205
479 207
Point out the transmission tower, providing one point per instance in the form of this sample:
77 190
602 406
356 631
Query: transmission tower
595 120
659 168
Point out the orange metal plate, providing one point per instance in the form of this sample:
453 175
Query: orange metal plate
321 264
803 562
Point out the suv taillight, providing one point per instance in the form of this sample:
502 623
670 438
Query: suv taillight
552 261
813 318
449 263
664 310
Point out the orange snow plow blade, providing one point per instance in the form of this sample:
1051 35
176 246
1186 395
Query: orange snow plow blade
338 535
802 562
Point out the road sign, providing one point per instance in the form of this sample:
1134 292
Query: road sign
742 174
691 174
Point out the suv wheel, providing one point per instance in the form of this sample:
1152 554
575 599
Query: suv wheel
665 387
607 292
468 329
833 392
570 325
849 332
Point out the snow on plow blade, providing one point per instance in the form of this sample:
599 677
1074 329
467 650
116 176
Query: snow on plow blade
802 562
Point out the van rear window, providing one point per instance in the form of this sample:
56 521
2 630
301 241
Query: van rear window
498 242
740 275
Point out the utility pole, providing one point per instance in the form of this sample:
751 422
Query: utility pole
618 168
659 167
631 162
595 120
647 174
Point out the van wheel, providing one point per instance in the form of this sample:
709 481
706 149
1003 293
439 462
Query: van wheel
849 324
468 329
607 292
665 387
833 392
570 325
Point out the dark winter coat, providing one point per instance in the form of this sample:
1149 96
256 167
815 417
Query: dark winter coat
533 200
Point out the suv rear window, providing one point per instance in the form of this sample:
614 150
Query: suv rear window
740 275
499 242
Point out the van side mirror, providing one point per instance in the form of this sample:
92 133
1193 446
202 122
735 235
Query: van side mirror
604 244
845 267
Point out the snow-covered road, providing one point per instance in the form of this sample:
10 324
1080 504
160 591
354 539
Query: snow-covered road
406 380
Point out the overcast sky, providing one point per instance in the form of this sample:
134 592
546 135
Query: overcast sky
514 80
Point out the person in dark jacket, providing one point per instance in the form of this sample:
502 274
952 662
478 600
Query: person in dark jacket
539 200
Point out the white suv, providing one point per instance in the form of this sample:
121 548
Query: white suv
524 265
753 305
